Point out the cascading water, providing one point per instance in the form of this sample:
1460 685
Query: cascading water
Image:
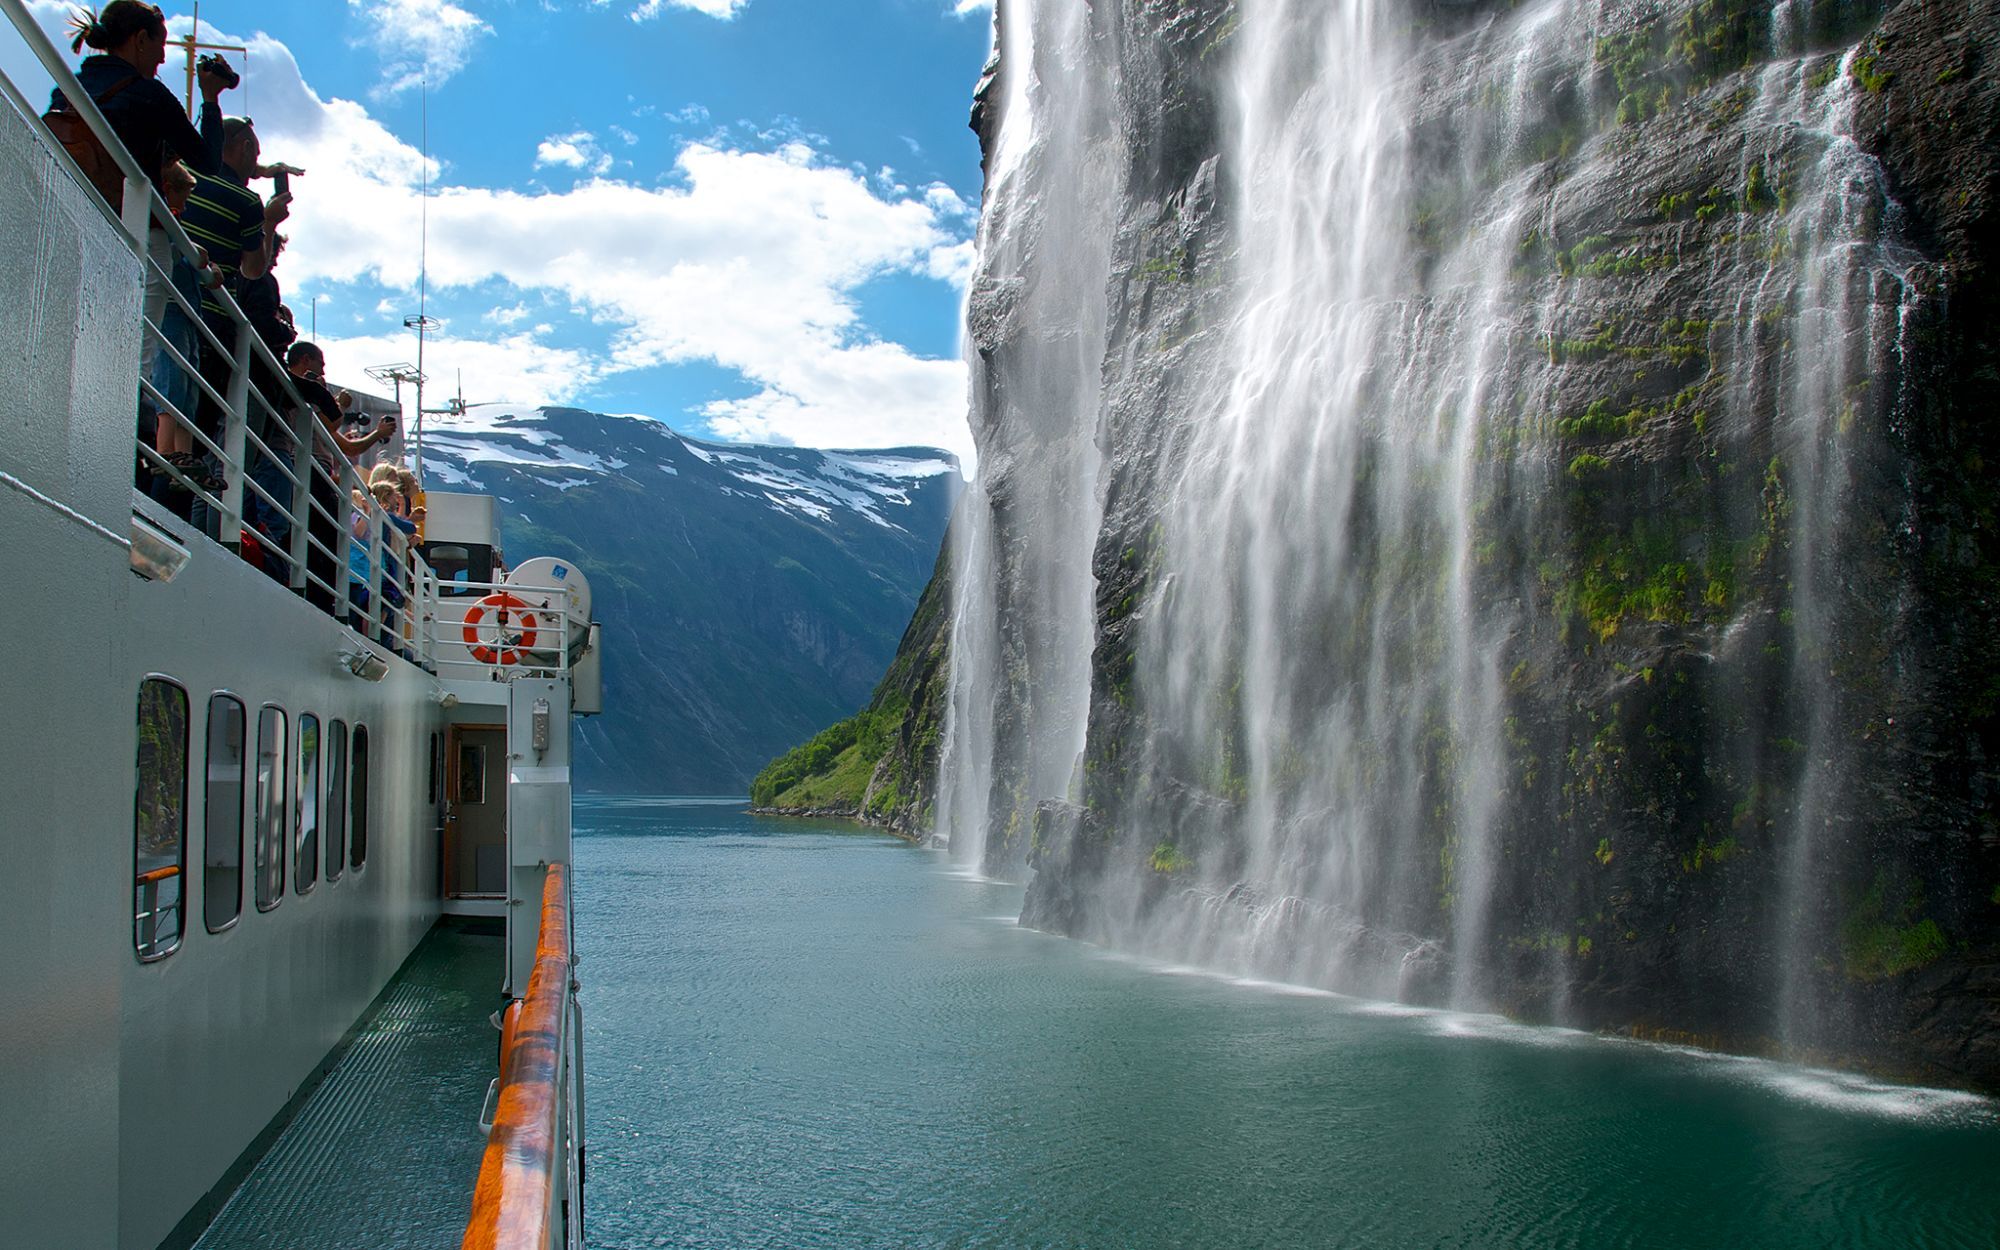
1021 639
1490 458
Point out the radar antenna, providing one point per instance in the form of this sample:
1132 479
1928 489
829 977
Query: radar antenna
456 406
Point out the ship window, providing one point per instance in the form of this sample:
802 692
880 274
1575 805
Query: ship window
358 809
159 822
457 564
335 831
436 755
269 835
305 824
222 807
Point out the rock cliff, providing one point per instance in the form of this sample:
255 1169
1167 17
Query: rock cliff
1491 504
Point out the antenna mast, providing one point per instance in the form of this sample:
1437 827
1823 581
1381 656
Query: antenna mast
422 322
192 45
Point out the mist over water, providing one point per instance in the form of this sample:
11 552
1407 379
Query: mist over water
1350 579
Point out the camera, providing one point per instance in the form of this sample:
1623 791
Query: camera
282 181
216 64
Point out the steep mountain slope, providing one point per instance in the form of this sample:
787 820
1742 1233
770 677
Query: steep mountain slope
749 595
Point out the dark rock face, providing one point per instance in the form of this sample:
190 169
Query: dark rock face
1659 696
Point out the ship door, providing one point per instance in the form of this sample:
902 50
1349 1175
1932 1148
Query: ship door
475 822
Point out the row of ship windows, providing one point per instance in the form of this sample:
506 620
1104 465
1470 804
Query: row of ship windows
307 791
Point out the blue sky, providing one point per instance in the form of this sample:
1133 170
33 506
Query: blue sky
751 219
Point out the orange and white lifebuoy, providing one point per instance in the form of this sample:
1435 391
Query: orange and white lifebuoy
505 647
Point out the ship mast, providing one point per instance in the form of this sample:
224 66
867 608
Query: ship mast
422 323
191 45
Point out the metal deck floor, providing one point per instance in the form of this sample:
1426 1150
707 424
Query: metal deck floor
385 1152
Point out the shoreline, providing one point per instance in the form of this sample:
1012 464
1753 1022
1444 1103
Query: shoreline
852 815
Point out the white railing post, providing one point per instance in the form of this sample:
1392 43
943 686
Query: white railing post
378 550
342 542
303 419
235 454
236 407
427 623
137 214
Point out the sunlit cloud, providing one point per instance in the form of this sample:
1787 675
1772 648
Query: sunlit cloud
419 40
724 9
577 150
741 254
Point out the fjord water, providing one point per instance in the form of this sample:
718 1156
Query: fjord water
803 1034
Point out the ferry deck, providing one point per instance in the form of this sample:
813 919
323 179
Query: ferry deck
289 956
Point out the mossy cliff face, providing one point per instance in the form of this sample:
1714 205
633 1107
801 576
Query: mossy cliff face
1541 514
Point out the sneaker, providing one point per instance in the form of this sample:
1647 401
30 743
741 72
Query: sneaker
185 463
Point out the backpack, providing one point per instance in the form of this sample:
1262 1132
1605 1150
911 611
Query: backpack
87 150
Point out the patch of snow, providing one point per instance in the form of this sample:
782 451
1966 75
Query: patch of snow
796 483
446 472
579 459
485 419
891 466
817 511
481 451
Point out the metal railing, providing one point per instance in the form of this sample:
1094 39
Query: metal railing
288 495
530 1190
149 913
498 630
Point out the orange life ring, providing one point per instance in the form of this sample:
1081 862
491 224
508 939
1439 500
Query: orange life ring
505 650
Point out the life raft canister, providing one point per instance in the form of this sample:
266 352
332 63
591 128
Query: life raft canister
506 648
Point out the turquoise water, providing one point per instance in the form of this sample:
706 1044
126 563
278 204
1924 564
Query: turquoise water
803 1035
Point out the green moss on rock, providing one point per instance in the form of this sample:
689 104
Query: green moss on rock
1885 935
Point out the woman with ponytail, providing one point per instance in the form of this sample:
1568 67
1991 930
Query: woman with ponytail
130 39
130 42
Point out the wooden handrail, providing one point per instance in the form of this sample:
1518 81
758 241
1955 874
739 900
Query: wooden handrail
515 1197
159 874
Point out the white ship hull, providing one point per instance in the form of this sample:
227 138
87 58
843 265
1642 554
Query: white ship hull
139 1079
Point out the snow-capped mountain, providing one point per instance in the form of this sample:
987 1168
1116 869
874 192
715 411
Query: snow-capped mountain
749 595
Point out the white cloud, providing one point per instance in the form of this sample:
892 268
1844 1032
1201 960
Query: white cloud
419 39
724 9
746 257
876 394
517 368
948 202
966 8
953 264
578 150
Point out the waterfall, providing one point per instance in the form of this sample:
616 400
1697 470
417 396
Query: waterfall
1492 595
1021 641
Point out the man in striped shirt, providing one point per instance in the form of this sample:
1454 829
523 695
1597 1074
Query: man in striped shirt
229 219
